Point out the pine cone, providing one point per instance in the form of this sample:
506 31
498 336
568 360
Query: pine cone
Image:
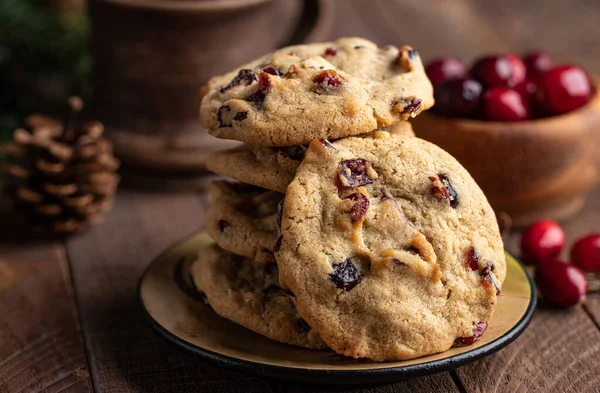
61 179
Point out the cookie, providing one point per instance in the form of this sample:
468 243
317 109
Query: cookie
327 90
272 168
242 218
246 292
390 247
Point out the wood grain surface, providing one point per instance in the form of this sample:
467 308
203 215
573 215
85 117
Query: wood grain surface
41 345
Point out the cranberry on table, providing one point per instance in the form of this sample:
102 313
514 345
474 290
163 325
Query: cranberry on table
505 104
493 71
537 62
441 70
560 284
457 97
517 68
563 89
586 253
542 241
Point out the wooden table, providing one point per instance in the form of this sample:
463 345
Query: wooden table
69 317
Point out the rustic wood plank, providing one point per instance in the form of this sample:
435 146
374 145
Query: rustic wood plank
434 383
107 261
41 348
554 354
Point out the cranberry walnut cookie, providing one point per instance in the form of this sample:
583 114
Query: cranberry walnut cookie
327 90
247 292
390 247
273 167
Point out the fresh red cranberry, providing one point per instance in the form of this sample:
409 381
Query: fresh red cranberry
542 241
493 71
457 97
505 104
518 69
527 89
563 89
441 70
537 62
586 253
560 284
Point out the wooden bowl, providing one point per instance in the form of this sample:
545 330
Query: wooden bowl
530 170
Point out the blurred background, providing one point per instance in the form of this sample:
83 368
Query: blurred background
45 44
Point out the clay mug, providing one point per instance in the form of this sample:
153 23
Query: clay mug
151 58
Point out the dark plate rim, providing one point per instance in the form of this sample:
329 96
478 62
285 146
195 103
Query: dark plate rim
323 376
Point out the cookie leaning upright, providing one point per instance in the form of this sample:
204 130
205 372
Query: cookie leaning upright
390 247
327 90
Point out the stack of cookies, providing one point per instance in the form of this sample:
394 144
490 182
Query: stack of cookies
342 229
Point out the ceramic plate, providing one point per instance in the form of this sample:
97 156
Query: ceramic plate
178 314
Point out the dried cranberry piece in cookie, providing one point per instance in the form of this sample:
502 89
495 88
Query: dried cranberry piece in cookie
413 106
244 78
345 275
356 172
442 189
264 84
360 207
330 52
478 330
272 71
328 81
472 259
407 107
489 278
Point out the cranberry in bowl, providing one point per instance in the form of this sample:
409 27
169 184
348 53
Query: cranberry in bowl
527 129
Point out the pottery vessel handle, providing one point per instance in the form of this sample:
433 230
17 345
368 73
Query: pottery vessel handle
306 24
